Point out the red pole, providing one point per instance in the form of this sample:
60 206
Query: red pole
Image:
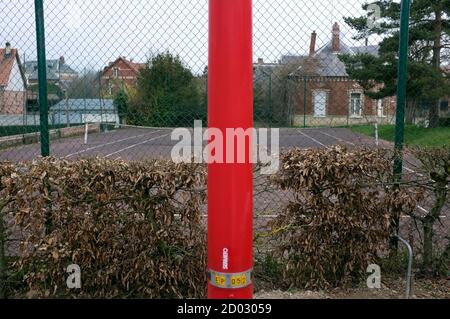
230 185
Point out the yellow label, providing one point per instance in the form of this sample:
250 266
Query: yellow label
220 280
231 281
239 280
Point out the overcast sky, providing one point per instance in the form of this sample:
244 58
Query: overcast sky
91 33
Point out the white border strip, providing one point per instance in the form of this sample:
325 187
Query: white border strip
137 144
107 144
313 139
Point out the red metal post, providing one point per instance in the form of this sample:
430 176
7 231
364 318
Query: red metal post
230 185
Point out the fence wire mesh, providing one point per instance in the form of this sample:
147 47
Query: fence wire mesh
122 74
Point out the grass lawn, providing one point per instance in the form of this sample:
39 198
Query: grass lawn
414 136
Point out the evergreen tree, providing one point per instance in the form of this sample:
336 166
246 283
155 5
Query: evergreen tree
167 94
429 41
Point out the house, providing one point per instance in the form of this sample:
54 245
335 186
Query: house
58 72
78 111
59 77
12 82
326 95
120 73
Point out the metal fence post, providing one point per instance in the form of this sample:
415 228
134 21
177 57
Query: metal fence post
402 79
409 269
401 89
42 74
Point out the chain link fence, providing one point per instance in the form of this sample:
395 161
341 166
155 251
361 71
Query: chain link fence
122 74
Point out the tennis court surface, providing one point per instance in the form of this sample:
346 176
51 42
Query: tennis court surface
131 143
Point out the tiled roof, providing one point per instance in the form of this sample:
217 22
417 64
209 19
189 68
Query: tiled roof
133 66
328 63
53 69
138 66
331 65
6 66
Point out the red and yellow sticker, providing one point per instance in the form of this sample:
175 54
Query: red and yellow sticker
231 281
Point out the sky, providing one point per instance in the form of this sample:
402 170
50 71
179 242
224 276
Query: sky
89 34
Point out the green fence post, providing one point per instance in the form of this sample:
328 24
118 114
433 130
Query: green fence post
401 105
42 74
401 89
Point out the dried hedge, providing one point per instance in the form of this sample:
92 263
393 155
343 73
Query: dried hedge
135 229
339 219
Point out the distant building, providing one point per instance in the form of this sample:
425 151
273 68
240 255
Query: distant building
120 73
78 111
332 97
12 82
58 72
324 93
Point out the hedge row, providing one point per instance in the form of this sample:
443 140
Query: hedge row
134 229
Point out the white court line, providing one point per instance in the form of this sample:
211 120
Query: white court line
313 139
337 138
412 171
133 146
423 209
405 167
107 144
350 143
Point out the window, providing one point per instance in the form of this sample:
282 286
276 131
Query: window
320 103
444 106
116 72
356 105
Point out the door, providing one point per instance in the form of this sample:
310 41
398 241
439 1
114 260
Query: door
320 103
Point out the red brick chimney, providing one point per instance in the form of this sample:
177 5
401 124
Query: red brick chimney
312 48
336 42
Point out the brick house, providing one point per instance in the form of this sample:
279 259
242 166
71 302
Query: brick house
120 73
12 82
326 95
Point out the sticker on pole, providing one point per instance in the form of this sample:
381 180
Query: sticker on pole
231 281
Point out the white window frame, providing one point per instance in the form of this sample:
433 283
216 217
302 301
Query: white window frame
116 73
352 115
327 93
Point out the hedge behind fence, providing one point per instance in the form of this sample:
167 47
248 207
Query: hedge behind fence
339 221
135 229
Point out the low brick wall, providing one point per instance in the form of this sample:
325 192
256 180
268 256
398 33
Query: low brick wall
31 138
334 121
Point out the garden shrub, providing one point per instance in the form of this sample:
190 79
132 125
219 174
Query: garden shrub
340 219
135 229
